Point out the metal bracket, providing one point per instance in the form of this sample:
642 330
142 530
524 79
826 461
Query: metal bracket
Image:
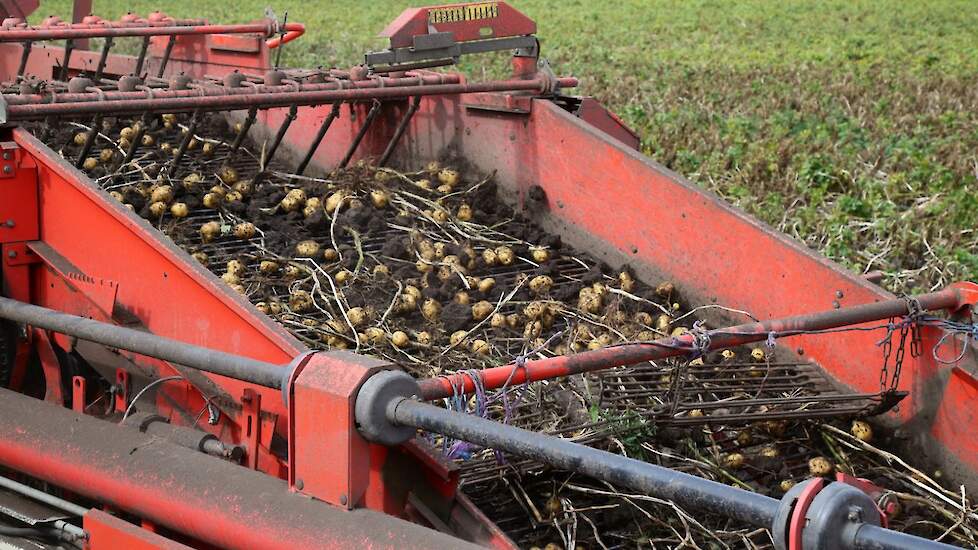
8 149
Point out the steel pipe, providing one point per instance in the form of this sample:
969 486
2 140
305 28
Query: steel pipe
686 490
952 298
206 89
117 29
144 343
267 100
871 537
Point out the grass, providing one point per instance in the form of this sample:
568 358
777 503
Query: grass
851 125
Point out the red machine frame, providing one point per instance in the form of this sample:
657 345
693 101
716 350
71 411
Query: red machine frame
51 214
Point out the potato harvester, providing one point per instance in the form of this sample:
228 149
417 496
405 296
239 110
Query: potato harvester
147 403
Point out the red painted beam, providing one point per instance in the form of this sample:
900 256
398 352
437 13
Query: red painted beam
952 299
199 496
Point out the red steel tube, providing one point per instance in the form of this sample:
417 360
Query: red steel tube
267 100
952 298
121 29
213 90
207 499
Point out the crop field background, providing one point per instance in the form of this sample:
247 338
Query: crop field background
850 125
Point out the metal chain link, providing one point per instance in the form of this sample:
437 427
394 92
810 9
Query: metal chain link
909 326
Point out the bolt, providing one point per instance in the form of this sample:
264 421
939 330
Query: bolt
839 294
835 304
12 254
10 223
6 155
299 484
7 169
855 514
801 351
343 500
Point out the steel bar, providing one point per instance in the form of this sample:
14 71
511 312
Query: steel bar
952 298
399 131
141 58
371 115
263 100
203 88
69 46
144 343
90 138
103 57
166 56
41 496
185 142
323 128
24 56
206 499
871 537
280 135
684 489
245 126
115 29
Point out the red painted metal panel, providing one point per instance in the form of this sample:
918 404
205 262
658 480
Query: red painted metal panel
466 21
324 429
107 532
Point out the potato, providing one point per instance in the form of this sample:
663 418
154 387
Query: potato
245 230
157 209
464 213
245 187
294 200
331 255
540 255
541 284
163 193
480 347
727 355
179 210
268 267
231 278
481 310
498 321
433 166
307 248
343 276
374 335
626 281
734 461
757 354
448 176
505 255
862 430
228 175
462 297
665 289
489 257
233 196
300 301
334 201
642 318
400 339
213 200
80 138
148 140
486 285
379 198
200 257
357 316
457 337
820 466
116 195
208 149
588 300
431 309
236 267
105 155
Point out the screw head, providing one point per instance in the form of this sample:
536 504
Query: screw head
10 223
835 304
7 155
299 484
12 254
7 169
343 500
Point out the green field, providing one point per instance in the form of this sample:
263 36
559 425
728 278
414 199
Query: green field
851 125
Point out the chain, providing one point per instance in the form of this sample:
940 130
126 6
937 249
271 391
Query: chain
909 326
